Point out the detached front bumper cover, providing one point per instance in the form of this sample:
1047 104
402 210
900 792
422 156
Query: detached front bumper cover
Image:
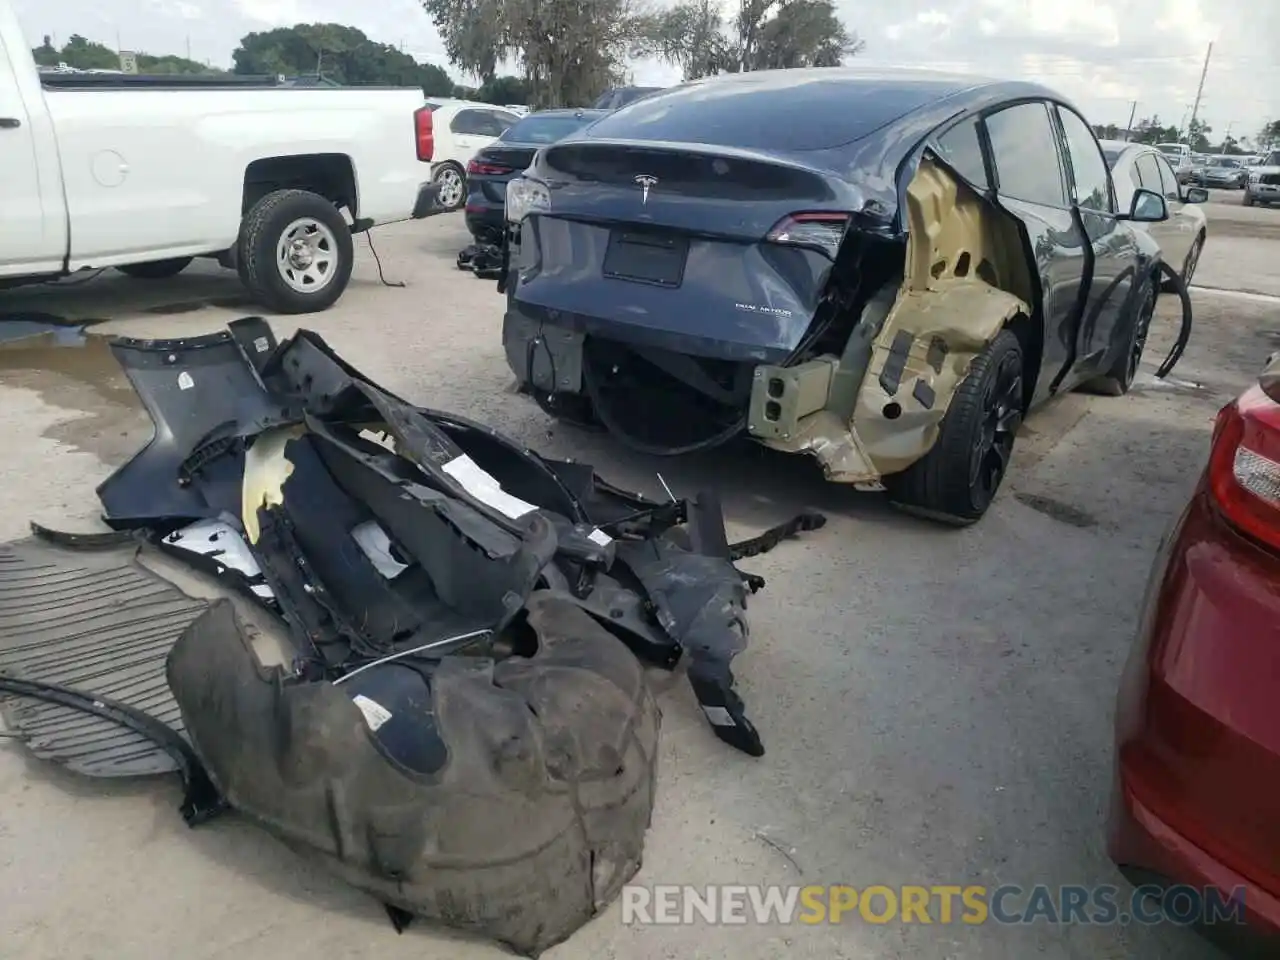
463 625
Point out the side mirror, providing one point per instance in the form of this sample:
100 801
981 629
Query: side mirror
1147 207
1197 195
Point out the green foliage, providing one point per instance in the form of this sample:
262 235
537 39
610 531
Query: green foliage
338 53
569 50
1269 135
763 35
502 90
85 54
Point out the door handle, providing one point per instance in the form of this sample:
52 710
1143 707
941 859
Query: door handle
9 123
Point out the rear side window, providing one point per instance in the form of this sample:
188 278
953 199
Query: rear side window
1149 172
536 129
1025 149
468 122
1088 169
1169 179
961 148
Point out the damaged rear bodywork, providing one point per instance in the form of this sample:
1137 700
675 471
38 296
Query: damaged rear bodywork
826 294
420 654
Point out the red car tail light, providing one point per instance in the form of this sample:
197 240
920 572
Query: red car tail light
478 167
424 133
1244 465
819 230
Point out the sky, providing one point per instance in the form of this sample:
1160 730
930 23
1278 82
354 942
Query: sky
1103 54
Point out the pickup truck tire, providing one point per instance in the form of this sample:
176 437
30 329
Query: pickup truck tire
295 252
977 431
156 269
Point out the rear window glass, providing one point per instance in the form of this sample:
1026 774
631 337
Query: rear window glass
1111 155
535 129
770 111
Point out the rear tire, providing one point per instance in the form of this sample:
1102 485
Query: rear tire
956 481
1117 381
156 269
295 252
453 186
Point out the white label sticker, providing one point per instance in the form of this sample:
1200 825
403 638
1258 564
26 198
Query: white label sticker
485 488
719 716
375 714
261 344
600 537
184 381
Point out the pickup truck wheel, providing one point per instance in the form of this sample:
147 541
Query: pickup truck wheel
156 269
453 186
955 482
295 252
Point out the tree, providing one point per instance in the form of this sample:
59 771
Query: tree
568 50
503 90
1269 135
1108 132
1198 136
765 34
336 52
1150 130
83 54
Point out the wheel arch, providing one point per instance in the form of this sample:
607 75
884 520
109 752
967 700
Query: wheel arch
965 279
330 175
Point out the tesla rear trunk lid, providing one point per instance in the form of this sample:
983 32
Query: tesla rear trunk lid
666 246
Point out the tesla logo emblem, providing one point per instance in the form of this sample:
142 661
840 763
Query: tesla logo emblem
645 182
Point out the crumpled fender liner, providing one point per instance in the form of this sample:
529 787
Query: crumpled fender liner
533 824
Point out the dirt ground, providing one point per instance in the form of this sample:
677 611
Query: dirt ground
936 704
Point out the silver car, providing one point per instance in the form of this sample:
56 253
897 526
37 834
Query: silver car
1264 181
1182 236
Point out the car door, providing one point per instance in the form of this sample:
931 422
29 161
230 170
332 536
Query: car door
1030 184
1111 243
1182 226
33 226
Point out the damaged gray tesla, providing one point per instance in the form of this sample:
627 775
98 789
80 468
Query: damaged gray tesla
452 713
885 270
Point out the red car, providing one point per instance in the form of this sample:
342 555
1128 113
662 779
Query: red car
1197 790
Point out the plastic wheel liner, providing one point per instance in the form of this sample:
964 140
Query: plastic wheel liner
459 723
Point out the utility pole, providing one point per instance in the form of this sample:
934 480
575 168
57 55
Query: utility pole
1132 113
1195 109
188 46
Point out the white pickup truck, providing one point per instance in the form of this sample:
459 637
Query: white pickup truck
145 173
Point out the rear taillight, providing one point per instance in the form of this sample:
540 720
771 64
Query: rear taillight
819 230
483 169
424 133
1244 465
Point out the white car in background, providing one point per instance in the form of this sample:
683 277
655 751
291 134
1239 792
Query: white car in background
1182 235
1179 155
458 129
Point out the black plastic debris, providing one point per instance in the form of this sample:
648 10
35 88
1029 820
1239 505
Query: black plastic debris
458 720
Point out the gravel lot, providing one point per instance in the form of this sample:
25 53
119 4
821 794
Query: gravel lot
936 704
